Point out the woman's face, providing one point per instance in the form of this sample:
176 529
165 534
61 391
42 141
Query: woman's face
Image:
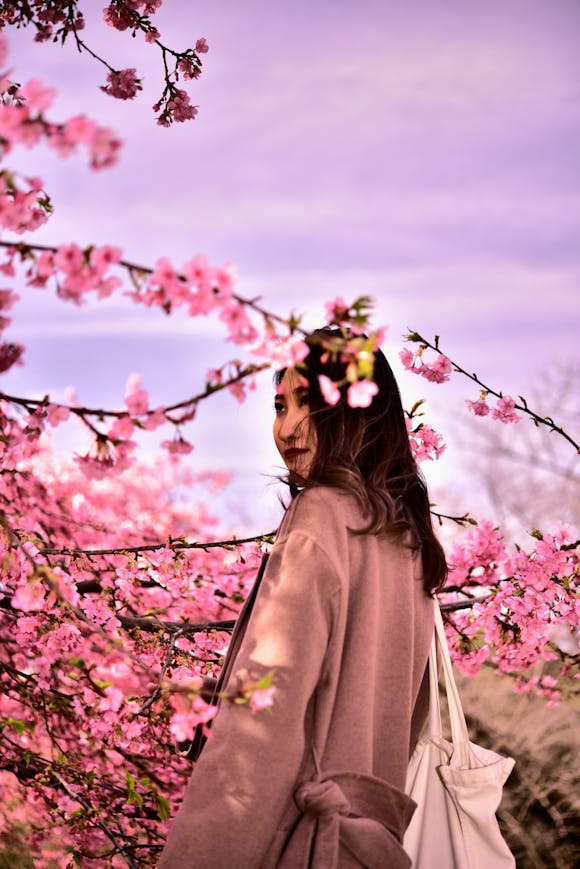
294 434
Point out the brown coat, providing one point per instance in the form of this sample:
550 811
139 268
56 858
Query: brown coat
317 780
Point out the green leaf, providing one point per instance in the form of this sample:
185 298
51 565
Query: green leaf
132 795
163 807
16 724
266 680
294 321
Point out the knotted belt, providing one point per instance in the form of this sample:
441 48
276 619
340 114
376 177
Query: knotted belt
360 814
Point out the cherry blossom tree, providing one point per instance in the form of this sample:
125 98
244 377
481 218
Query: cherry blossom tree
116 598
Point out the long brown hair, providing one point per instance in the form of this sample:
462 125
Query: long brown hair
366 451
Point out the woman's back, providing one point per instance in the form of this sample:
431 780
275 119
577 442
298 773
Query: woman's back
344 623
381 641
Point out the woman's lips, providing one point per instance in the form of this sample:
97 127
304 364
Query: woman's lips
293 452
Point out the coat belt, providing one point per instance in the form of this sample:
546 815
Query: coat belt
361 815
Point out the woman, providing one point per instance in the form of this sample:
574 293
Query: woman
344 617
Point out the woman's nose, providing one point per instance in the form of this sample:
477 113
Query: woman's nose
289 427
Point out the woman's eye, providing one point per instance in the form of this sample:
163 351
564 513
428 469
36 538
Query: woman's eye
304 400
278 407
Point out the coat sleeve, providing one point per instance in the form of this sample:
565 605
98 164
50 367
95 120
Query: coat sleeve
248 771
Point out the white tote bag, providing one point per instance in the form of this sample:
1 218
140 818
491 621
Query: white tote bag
457 786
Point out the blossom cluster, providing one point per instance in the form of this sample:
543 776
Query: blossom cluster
354 350
62 19
73 632
10 352
425 442
23 122
503 410
22 210
437 371
523 601
123 84
197 285
49 19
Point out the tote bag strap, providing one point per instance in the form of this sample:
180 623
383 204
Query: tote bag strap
434 725
459 732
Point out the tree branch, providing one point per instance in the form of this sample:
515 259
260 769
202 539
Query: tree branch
415 337
176 545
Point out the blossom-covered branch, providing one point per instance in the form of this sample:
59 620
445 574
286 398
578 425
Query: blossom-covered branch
505 409
174 545
61 19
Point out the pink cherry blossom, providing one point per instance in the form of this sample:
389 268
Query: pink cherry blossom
37 95
240 327
29 596
329 389
225 279
361 393
104 148
425 442
407 358
152 35
262 698
79 129
136 398
3 49
123 85
238 390
154 419
183 724
199 272
479 407
70 396
283 352
437 371
337 310
69 259
102 258
57 414
189 67
201 46
10 354
178 108
504 410
177 446
122 428
214 375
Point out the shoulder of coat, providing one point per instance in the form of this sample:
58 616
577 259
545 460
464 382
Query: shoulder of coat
323 510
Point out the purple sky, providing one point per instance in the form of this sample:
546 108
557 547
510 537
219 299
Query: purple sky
425 153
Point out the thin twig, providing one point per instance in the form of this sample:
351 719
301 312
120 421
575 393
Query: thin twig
98 822
23 247
83 412
145 623
166 664
415 337
152 547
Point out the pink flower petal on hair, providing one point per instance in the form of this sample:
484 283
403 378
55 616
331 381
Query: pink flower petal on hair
329 389
361 393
